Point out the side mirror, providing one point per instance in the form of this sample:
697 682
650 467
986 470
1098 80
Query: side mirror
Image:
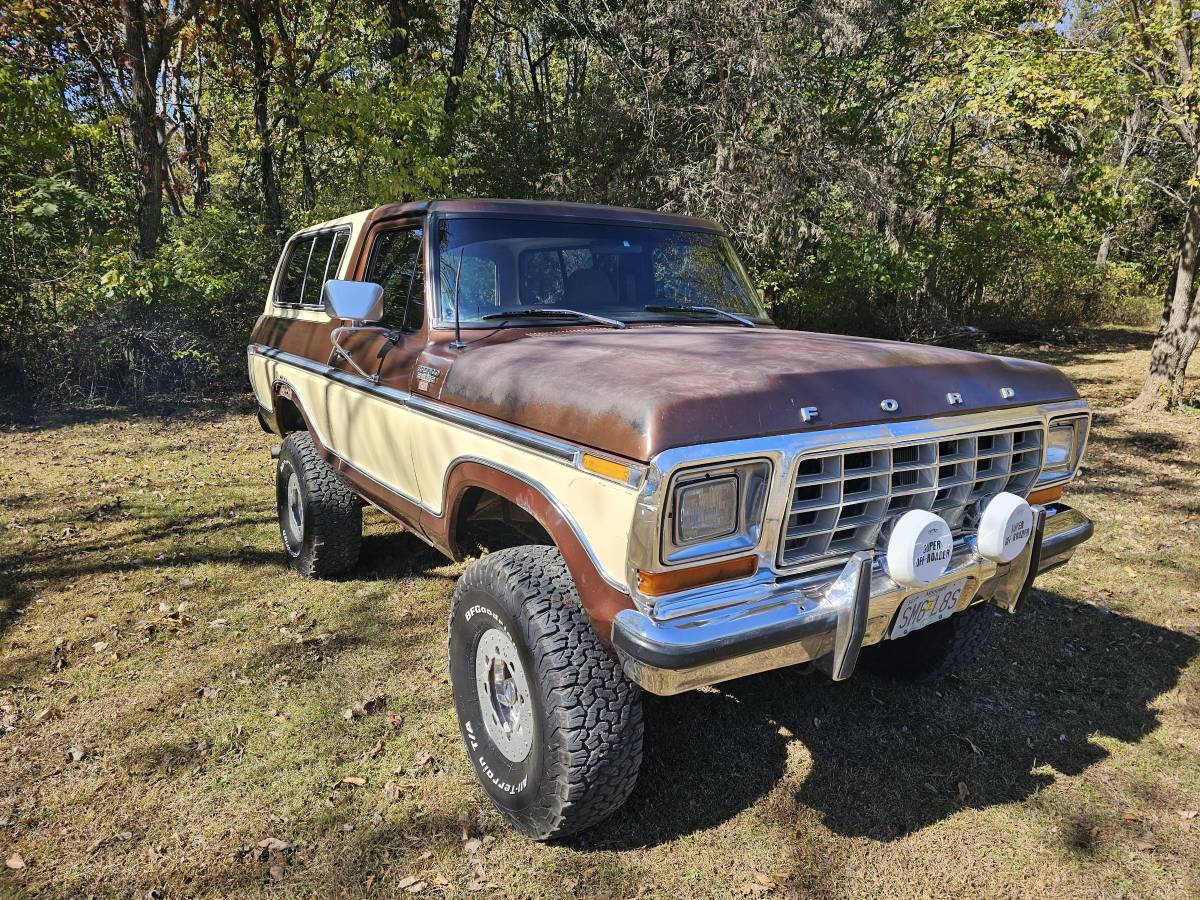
356 301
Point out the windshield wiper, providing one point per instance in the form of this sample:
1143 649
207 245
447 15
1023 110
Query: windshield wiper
551 312
710 310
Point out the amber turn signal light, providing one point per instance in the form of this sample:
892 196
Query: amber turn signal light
655 584
608 468
1046 495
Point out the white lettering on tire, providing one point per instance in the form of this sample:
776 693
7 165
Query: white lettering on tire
500 785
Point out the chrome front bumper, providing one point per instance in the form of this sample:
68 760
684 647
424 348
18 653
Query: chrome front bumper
826 621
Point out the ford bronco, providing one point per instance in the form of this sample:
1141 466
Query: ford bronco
670 491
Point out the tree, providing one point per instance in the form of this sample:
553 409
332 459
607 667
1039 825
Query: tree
1158 40
128 57
252 16
458 66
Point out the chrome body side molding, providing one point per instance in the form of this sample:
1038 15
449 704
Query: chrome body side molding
522 437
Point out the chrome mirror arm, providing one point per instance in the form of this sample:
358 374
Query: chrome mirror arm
339 350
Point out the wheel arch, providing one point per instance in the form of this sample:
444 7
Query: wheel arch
601 599
287 410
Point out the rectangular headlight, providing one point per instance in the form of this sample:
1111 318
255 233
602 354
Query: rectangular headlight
1064 447
714 511
1060 448
706 509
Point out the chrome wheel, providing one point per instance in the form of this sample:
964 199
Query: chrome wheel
504 694
293 512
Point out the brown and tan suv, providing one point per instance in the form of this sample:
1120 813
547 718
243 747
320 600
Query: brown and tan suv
673 491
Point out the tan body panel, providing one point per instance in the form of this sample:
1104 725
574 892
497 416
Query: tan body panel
373 434
412 454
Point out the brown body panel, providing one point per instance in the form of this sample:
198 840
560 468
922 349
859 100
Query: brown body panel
648 388
544 209
600 600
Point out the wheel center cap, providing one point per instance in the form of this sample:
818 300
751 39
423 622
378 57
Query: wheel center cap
508 692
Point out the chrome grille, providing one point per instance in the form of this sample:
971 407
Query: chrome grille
847 500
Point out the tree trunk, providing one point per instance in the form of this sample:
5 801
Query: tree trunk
1180 325
194 124
939 218
262 122
458 65
1105 248
398 26
1187 346
308 196
147 152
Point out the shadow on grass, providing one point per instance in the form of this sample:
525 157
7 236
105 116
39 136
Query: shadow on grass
1080 345
390 555
886 759
14 597
164 409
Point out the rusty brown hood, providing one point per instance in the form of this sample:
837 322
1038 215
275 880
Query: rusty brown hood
645 389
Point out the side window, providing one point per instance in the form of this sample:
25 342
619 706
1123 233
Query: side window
341 240
475 279
396 265
312 259
317 263
477 288
690 273
574 260
291 287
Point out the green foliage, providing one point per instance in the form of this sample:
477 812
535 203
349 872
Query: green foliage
898 169
378 141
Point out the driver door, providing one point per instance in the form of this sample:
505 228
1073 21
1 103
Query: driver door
378 429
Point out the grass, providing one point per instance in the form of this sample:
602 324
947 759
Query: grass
178 710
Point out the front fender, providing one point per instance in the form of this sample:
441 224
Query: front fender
601 600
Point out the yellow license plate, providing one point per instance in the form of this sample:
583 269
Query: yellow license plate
927 607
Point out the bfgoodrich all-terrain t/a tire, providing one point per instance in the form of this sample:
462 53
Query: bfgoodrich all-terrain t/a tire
934 650
552 726
320 518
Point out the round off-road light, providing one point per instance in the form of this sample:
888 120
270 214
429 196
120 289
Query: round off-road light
1005 527
919 549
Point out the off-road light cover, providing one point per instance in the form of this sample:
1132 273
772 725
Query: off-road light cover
706 509
1005 527
919 549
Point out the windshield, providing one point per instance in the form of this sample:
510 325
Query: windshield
613 270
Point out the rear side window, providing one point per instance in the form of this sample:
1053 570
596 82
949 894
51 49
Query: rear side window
396 265
292 287
312 259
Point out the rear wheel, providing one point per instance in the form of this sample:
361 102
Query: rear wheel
320 518
552 726
935 649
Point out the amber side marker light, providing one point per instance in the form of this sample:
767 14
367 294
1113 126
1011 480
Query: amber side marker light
1046 495
655 584
608 468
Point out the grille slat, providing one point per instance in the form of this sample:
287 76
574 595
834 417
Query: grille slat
847 500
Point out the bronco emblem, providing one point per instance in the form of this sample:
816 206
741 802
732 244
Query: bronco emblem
427 375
